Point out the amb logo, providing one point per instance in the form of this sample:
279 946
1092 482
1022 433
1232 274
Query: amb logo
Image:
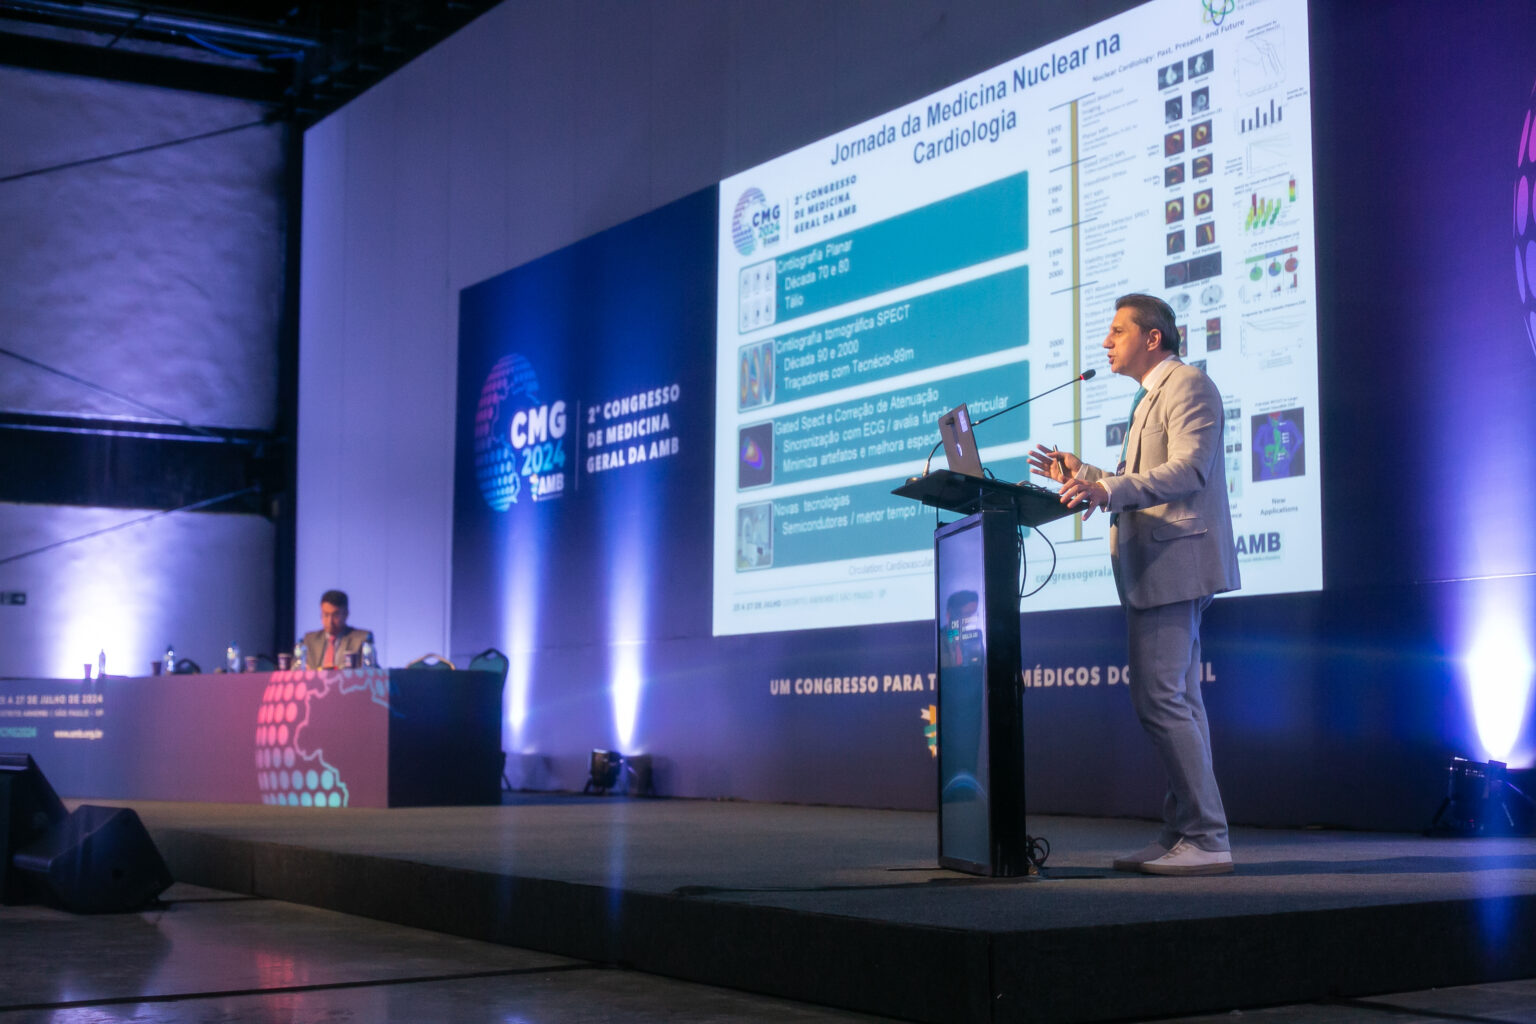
1258 544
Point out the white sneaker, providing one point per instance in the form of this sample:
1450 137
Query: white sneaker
1188 859
1134 861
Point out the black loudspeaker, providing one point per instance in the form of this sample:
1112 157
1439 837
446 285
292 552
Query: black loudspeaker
99 860
28 809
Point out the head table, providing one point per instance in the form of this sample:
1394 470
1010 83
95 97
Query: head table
305 738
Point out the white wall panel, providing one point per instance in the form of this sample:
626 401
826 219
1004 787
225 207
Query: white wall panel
783 80
195 580
358 390
683 116
535 44
611 172
474 133
155 274
416 570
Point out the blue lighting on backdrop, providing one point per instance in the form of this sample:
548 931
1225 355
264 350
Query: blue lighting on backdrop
1498 669
625 688
521 626
628 582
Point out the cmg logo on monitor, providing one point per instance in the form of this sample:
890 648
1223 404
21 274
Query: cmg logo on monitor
1258 544
755 222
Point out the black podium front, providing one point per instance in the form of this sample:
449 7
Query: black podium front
980 696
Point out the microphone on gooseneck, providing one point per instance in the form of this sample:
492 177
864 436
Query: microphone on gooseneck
1085 375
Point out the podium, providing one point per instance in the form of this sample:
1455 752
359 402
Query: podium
980 697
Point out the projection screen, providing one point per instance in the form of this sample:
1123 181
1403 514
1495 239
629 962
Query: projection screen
968 247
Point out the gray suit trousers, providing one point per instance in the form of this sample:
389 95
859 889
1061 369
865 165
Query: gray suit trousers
1165 689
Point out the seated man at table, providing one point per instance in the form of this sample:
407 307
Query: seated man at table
328 646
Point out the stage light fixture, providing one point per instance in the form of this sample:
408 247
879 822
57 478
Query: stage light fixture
637 774
607 766
603 771
1481 800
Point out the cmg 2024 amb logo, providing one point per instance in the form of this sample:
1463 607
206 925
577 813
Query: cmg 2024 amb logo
519 437
754 222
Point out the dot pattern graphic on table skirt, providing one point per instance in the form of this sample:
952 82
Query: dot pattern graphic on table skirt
288 773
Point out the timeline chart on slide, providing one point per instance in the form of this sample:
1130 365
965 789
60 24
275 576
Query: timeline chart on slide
969 247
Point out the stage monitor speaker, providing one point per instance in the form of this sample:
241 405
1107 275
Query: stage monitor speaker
99 860
28 809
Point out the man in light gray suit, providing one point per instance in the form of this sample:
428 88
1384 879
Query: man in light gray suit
1170 540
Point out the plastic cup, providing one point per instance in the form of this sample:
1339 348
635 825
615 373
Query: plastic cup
284 662
251 663
354 660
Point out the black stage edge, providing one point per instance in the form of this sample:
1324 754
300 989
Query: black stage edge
846 908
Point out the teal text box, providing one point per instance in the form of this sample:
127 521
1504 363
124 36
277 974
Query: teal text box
897 427
961 231
847 522
861 521
978 317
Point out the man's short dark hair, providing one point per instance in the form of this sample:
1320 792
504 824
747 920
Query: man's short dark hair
1152 314
334 598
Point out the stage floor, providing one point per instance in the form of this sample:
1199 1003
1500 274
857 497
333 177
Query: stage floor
845 907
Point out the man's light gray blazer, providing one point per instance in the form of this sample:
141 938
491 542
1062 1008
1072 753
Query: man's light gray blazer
1173 538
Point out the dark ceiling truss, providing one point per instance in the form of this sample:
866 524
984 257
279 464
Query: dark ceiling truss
302 59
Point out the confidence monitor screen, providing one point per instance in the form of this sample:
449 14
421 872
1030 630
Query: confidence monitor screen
968 247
